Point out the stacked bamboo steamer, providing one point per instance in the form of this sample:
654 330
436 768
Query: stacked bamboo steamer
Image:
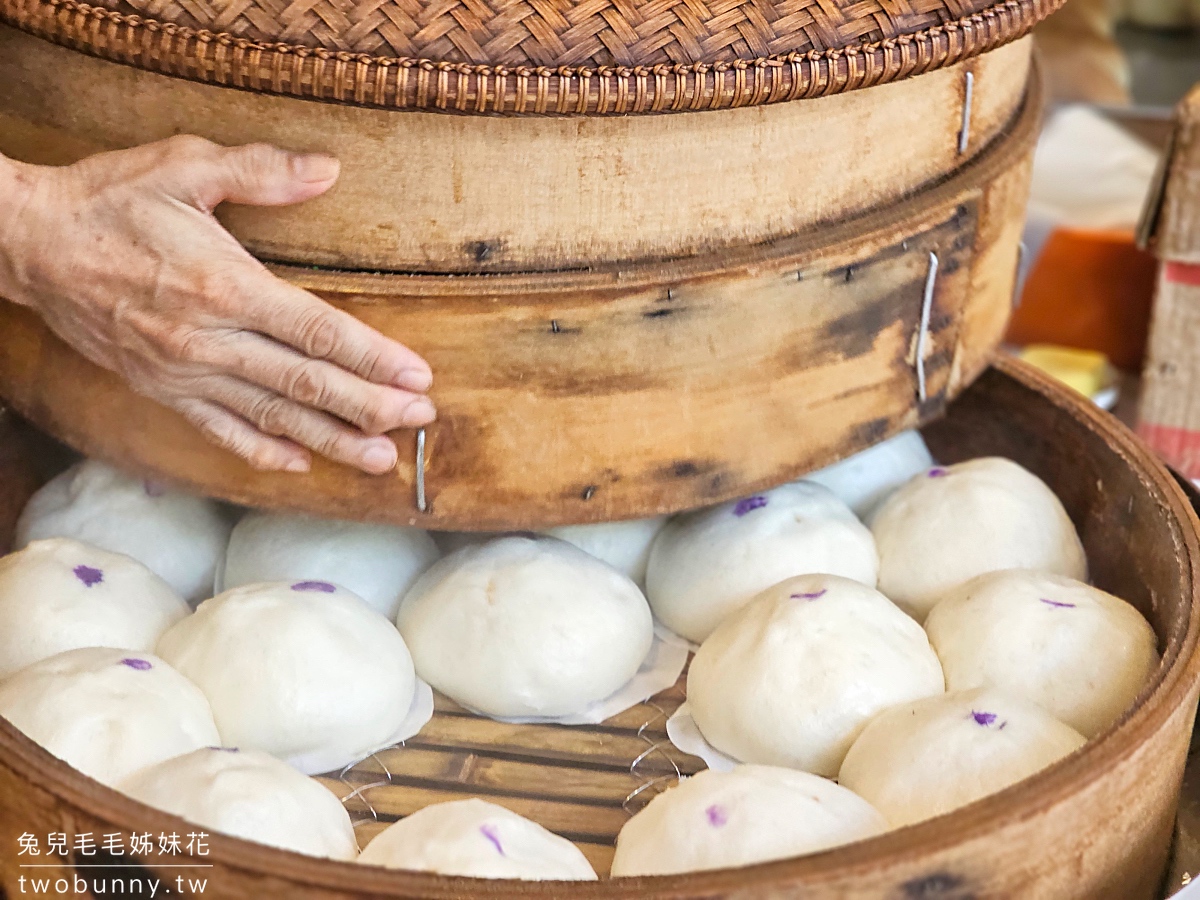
706 247
681 229
1097 824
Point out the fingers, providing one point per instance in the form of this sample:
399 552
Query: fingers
297 318
205 174
264 452
281 417
262 175
374 408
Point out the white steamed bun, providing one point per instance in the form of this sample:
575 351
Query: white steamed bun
708 564
526 626
250 795
377 562
792 678
1079 653
623 545
108 712
922 759
178 537
59 594
477 839
305 671
865 480
956 522
718 820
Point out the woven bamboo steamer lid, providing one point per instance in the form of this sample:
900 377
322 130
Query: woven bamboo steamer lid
622 391
1095 825
556 135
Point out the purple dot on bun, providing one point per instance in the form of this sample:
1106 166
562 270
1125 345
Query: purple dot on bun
88 575
322 587
154 488
716 815
937 472
814 595
1057 603
749 505
983 718
489 832
139 665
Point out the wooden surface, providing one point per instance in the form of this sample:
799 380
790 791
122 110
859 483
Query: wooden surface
624 391
421 192
739 53
1185 850
1095 825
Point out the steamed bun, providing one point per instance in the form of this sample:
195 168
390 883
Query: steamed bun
526 627
718 820
792 678
108 712
377 562
250 795
477 839
59 594
178 537
305 671
920 760
623 545
956 522
865 480
708 564
1079 653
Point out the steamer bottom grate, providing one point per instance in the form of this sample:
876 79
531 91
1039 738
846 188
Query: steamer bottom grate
581 781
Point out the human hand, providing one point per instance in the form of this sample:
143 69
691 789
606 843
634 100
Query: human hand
122 257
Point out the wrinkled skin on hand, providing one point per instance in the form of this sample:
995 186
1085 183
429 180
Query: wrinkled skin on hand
122 257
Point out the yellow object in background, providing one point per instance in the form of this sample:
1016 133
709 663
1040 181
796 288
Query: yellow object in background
1086 371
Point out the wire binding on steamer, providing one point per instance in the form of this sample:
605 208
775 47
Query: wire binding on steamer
923 328
964 134
420 477
652 748
1018 281
360 791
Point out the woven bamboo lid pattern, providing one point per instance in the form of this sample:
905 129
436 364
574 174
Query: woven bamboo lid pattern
535 56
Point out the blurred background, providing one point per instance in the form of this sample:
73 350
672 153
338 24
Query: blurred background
1116 71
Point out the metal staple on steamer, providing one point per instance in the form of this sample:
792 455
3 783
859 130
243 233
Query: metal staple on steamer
923 328
1022 250
964 134
420 479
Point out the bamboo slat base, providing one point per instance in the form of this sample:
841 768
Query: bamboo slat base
1095 825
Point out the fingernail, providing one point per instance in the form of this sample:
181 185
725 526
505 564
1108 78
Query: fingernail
380 457
315 167
298 465
419 412
418 380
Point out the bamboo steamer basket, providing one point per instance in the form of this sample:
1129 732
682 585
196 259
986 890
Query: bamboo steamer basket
1095 825
624 390
563 149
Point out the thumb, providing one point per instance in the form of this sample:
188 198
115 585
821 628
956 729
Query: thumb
263 175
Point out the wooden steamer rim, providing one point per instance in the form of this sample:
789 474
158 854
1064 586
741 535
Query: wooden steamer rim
1085 821
424 192
625 391
642 57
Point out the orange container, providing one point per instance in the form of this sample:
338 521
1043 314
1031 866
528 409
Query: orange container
1091 290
